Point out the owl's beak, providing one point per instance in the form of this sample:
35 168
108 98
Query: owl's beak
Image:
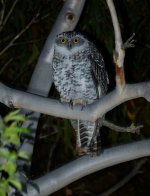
69 45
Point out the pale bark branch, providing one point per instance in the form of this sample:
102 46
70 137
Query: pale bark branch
119 53
86 165
19 99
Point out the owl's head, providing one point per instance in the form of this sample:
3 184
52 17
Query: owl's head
70 42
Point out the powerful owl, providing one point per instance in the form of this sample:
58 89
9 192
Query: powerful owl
80 78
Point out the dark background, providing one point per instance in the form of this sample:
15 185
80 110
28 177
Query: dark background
55 141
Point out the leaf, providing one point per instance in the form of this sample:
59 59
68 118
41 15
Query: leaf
4 153
23 155
23 130
2 192
14 116
14 128
16 183
9 167
10 137
3 185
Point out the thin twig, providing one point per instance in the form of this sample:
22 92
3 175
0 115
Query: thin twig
130 42
19 34
125 180
2 13
132 128
8 15
29 42
119 53
5 65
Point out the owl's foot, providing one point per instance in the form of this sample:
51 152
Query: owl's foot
64 100
80 151
73 102
81 102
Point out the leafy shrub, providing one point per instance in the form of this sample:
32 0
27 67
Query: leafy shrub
10 132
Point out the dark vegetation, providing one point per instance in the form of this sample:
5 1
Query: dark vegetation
55 139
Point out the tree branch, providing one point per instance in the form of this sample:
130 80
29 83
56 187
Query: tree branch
126 179
132 128
86 165
119 53
8 15
18 35
5 65
19 99
2 11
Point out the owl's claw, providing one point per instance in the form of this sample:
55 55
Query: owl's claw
81 151
71 104
64 100
81 102
83 106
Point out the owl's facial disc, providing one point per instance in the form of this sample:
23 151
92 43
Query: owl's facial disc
70 40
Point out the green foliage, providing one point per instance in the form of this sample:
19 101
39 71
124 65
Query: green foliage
9 141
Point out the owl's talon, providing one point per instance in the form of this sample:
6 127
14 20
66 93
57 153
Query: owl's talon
83 106
71 104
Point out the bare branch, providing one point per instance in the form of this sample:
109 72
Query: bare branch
19 34
8 15
130 42
132 128
19 99
86 165
5 65
119 53
125 180
2 13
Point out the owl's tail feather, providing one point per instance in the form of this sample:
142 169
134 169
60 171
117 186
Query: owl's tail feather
87 137
95 144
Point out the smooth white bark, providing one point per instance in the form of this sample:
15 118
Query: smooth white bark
86 165
19 99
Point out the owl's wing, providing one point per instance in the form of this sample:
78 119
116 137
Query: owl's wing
98 70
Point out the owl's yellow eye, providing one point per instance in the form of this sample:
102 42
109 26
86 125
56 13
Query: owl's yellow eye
63 40
75 40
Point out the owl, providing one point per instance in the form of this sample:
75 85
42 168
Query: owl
80 77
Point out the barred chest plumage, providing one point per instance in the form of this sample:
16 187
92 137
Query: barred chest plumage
73 78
